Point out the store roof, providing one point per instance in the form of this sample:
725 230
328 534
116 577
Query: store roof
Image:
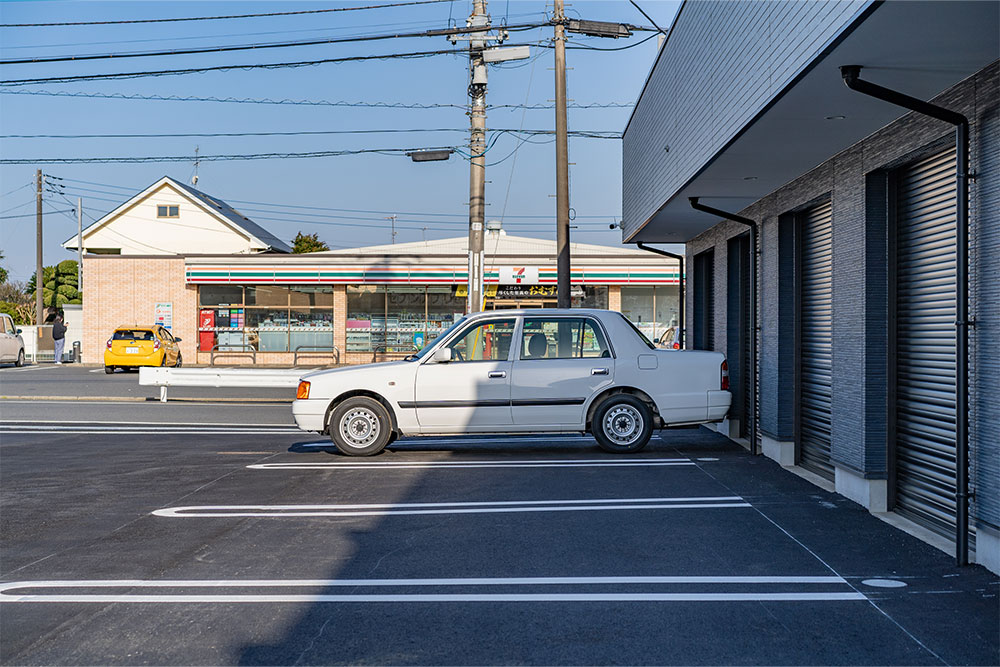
502 245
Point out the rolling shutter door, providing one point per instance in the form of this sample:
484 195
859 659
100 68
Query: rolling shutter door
816 340
925 342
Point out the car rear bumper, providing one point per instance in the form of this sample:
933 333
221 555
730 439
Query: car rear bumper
112 359
310 414
718 405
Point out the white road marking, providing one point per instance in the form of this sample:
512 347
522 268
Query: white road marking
589 596
177 424
494 507
159 432
539 463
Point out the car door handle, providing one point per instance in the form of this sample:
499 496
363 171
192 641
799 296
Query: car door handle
498 374
598 371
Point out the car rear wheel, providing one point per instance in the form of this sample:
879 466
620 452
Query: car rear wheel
109 369
360 426
20 358
622 424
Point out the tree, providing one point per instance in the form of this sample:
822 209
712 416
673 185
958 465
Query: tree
3 272
304 243
60 285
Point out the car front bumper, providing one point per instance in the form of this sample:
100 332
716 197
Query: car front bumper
310 414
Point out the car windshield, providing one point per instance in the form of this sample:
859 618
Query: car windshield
133 334
641 335
426 348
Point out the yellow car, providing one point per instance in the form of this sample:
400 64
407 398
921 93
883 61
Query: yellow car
130 347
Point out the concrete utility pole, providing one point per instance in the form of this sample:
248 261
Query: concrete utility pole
39 281
477 148
562 162
79 244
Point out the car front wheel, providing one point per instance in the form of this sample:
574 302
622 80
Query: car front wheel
622 424
20 359
360 426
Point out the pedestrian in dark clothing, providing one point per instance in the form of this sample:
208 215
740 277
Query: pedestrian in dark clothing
59 336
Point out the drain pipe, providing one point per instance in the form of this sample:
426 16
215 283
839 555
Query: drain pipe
753 309
680 283
851 74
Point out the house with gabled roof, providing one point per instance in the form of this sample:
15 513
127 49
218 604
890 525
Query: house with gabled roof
172 218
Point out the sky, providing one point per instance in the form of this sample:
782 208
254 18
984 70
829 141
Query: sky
345 200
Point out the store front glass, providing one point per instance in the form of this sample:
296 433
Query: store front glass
399 319
654 310
264 318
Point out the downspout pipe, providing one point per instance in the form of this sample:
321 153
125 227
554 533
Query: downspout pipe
680 282
851 75
753 309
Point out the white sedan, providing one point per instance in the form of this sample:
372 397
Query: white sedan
539 371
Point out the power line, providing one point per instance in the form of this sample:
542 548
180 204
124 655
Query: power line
592 134
262 46
328 103
221 68
214 158
218 18
648 17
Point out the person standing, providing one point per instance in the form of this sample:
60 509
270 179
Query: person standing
59 336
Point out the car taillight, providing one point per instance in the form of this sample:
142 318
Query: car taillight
677 346
156 345
725 376
303 391
109 343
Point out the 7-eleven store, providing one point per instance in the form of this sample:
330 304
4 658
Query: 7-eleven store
357 305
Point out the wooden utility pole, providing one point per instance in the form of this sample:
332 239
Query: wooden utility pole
39 281
562 162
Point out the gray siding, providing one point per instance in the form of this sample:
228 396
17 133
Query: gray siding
750 50
855 181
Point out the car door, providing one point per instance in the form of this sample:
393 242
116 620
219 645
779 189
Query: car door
169 345
561 362
472 391
8 341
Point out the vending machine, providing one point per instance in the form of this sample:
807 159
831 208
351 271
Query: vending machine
206 339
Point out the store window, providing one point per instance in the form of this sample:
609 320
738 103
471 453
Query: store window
264 318
589 296
398 319
654 310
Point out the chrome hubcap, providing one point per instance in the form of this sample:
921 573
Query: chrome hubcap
360 427
623 424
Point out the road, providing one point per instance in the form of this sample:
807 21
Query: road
206 534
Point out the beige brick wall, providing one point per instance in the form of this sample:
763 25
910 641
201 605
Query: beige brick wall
124 290
614 298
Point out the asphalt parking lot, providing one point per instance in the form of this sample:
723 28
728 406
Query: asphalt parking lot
199 534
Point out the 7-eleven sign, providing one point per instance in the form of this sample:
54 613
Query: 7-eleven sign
518 275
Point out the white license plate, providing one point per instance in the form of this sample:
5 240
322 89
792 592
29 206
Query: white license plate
131 350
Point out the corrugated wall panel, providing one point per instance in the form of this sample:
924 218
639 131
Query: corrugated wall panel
750 49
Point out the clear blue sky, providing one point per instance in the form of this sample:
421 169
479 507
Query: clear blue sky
385 184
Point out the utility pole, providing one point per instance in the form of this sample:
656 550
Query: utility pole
477 149
79 244
562 162
39 282
393 219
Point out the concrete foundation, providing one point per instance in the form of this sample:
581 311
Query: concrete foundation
781 451
988 547
872 494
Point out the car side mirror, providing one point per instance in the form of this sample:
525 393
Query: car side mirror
17 332
176 339
442 356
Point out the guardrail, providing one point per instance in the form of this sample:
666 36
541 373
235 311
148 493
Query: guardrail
244 347
316 349
217 377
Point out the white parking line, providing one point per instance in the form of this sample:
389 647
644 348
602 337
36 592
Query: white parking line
522 582
529 463
494 507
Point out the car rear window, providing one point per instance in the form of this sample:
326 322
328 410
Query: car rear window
133 334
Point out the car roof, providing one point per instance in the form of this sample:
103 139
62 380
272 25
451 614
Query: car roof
137 327
543 312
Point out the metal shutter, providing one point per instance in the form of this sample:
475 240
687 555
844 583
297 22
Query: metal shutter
816 339
925 342
704 300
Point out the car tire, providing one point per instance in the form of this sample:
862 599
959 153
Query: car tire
179 361
20 359
360 426
622 424
109 369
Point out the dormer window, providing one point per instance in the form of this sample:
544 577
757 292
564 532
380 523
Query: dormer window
168 211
